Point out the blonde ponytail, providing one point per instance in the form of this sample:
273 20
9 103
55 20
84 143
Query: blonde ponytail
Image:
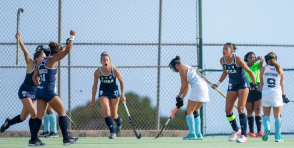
111 62
277 66
275 63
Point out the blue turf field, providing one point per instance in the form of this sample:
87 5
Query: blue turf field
147 142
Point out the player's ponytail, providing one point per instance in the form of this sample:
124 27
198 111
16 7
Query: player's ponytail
105 54
232 46
55 48
272 61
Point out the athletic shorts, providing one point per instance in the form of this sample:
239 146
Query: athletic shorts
113 94
27 91
237 87
254 95
272 101
46 91
199 92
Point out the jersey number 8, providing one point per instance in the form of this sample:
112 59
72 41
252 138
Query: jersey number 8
271 82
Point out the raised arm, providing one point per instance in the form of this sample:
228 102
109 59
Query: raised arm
241 63
67 49
94 88
35 76
29 61
121 81
249 64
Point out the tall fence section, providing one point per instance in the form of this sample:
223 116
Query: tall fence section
141 37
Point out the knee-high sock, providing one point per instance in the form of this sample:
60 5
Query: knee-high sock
118 120
63 126
232 120
278 126
109 123
52 121
266 122
258 123
15 120
191 124
36 125
197 125
30 124
46 123
251 124
243 124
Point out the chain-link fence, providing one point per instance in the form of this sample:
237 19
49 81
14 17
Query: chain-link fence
141 38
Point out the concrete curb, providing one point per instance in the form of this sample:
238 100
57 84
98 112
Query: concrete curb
103 133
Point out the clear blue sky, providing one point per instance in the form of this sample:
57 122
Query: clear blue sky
248 21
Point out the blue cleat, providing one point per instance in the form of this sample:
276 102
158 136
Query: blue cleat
266 133
190 137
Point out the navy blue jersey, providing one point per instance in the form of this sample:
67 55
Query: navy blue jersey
47 74
108 86
28 79
46 91
236 73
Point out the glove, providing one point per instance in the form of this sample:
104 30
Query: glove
285 100
255 87
180 102
67 41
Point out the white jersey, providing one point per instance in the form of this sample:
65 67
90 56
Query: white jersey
192 77
271 82
199 92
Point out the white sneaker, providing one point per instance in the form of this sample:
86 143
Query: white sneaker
242 139
234 135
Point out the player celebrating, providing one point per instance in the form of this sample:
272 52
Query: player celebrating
198 95
254 97
238 88
271 82
109 93
26 92
45 92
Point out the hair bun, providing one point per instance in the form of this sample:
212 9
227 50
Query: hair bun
103 53
53 45
178 58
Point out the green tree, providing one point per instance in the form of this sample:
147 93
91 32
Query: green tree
142 113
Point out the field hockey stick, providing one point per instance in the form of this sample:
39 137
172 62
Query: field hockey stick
70 120
209 83
166 122
17 26
131 122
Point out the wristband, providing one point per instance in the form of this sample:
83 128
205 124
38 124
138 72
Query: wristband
218 83
72 37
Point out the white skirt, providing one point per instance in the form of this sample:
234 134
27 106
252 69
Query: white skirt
199 92
272 101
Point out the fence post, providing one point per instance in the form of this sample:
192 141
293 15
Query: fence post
69 97
158 74
59 42
200 55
